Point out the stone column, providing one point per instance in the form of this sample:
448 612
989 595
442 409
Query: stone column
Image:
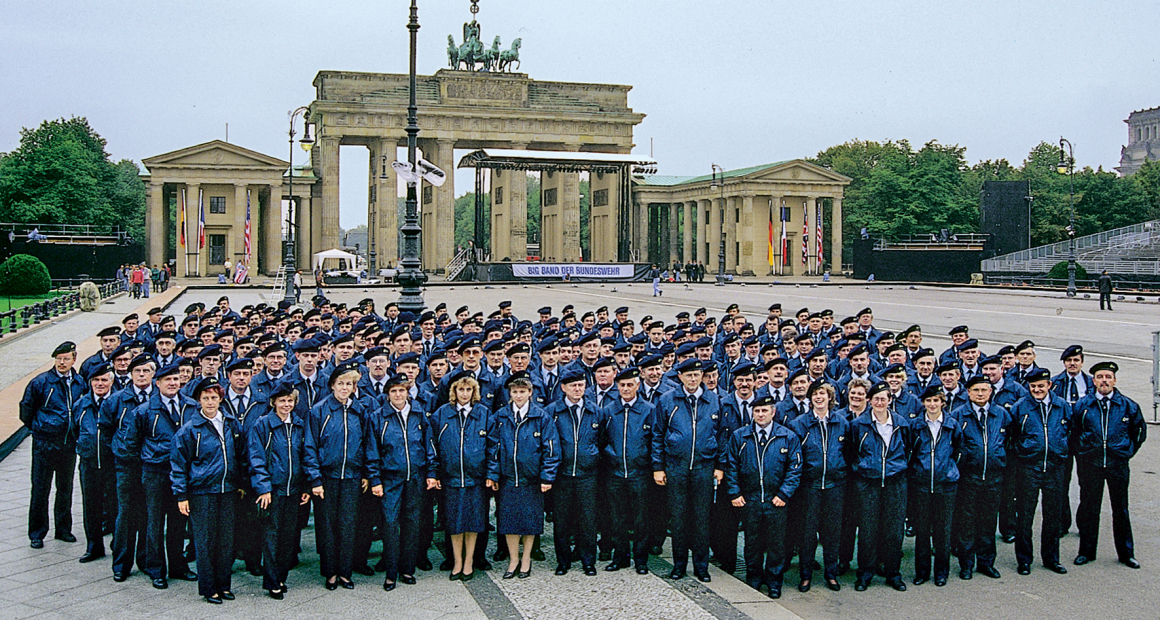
752 253
155 233
775 216
836 235
687 232
273 257
438 214
716 209
516 198
812 210
730 230
674 231
309 233
640 231
328 152
236 244
570 212
703 212
387 204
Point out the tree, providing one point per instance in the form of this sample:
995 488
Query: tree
24 275
61 174
1147 182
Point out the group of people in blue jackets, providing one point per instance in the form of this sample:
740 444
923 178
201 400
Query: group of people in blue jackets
216 437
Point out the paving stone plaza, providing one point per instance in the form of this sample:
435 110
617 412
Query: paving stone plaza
49 583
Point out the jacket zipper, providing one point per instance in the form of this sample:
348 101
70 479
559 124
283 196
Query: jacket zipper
576 439
986 445
760 454
516 452
345 441
289 455
693 448
624 444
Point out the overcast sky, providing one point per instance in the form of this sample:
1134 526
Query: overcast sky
736 83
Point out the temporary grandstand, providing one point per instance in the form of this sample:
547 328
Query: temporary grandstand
1129 251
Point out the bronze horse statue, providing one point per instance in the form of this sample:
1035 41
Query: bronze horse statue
507 57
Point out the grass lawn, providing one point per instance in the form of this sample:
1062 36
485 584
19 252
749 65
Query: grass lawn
15 303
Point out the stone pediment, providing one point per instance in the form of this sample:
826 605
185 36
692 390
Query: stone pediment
799 171
215 155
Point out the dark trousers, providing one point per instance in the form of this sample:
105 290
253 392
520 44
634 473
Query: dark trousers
51 460
164 526
933 513
1105 297
401 509
280 538
881 525
96 483
629 528
334 522
575 519
212 517
248 532
976 511
657 514
129 533
724 523
851 513
1009 506
764 542
690 495
1092 478
1065 502
1033 480
369 517
821 519
426 525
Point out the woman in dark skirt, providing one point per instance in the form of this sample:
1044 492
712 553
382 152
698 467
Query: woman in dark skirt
277 444
856 405
463 453
529 454
336 427
206 463
397 460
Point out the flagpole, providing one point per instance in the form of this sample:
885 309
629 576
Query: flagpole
200 229
184 232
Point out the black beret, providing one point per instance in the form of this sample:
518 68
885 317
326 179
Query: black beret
284 388
933 391
632 372
814 387
112 331
800 372
243 363
469 342
341 369
1112 366
396 379
203 384
650 361
572 376
1071 351
970 343
777 361
153 311
65 347
99 370
864 311
991 359
167 371
308 345
877 388
210 351
165 335
519 347
764 401
1039 374
977 380
921 353
141 360
892 369
690 365
604 362
131 317
407 358
493 346
1023 346
519 375
958 329
945 367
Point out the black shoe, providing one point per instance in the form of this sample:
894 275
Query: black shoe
897 583
499 555
447 565
833 585
988 571
185 575
213 599
482 565
1130 563
467 576
861 585
940 581
388 586
66 537
1080 560
332 585
455 576
160 583
511 574
1024 569
804 586
1056 568
918 581
843 568
1008 538
590 571
407 579
538 555
642 570
677 573
524 574
364 570
657 550
775 590
226 595
910 531
423 564
277 595
92 555
346 584
702 576
119 577
966 574
613 567
562 569
36 543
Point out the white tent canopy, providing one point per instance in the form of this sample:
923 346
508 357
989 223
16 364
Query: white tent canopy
336 254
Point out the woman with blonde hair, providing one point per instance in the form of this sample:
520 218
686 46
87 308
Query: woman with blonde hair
463 456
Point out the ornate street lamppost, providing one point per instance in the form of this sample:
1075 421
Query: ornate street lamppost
1067 166
411 276
289 251
718 180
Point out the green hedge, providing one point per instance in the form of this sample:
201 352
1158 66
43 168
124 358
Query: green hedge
24 275
1059 271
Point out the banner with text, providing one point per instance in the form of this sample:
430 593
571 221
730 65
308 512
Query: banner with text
576 271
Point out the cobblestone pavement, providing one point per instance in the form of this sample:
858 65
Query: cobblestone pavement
49 583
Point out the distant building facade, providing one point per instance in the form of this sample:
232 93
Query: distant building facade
1143 141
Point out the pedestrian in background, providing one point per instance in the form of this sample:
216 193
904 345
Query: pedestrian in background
1105 284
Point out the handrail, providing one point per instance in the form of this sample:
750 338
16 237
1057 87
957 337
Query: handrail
34 314
1086 241
457 264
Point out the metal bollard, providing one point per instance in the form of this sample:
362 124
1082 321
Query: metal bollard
24 312
12 327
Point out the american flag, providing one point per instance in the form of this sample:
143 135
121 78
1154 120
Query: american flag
200 220
819 235
771 232
181 226
243 269
784 237
805 233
